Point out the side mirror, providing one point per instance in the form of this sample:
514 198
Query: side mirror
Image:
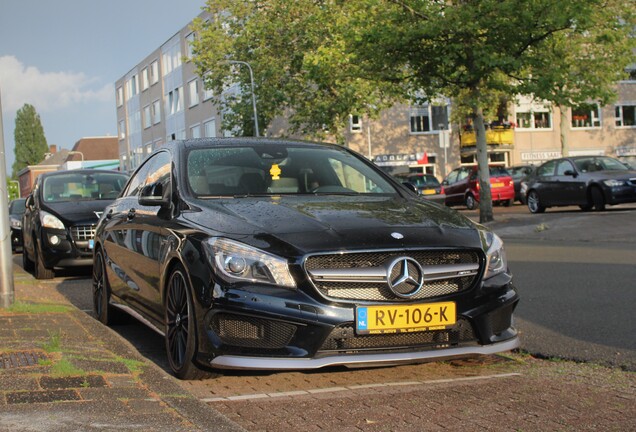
154 195
570 173
29 202
410 186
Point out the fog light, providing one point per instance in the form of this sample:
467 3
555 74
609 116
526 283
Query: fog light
54 240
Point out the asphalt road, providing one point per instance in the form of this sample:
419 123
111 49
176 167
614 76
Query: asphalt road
576 273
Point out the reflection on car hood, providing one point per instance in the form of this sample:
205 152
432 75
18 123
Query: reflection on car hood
71 212
336 222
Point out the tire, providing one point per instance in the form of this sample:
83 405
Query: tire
598 199
104 312
534 203
586 207
27 264
41 272
181 337
471 202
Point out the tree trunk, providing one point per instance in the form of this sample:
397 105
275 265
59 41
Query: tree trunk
485 195
563 126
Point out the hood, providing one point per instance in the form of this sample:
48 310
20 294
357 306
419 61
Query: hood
313 223
73 212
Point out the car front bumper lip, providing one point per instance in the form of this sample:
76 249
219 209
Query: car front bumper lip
358 360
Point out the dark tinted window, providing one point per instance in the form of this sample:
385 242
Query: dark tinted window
74 186
421 181
17 206
599 163
564 166
498 171
547 169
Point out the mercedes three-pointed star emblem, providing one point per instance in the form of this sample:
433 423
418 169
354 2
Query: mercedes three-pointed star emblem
405 277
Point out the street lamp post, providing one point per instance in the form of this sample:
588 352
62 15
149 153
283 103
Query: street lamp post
253 94
7 292
77 152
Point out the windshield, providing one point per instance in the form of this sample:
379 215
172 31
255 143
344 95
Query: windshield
73 186
421 181
272 169
599 163
17 206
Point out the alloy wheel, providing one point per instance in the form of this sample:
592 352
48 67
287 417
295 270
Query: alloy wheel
177 321
534 205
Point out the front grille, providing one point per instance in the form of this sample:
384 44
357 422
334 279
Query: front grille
250 332
83 232
362 276
343 338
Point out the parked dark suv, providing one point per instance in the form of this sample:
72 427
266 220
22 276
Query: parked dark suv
61 213
274 254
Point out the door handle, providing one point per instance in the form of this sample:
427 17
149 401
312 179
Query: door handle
131 213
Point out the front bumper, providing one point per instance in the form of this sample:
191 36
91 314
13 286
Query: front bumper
59 249
291 330
621 194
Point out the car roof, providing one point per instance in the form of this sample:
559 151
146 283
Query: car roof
80 171
211 142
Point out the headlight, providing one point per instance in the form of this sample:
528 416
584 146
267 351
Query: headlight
16 223
614 183
496 261
236 261
50 221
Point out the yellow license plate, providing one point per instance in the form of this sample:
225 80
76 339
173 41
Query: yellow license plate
428 192
497 184
405 318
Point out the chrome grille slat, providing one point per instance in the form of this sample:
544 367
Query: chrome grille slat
83 232
362 276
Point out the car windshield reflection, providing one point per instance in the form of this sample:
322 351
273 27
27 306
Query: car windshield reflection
82 186
600 163
256 171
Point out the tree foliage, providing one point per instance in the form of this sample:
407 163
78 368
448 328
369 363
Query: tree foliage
317 61
30 142
302 70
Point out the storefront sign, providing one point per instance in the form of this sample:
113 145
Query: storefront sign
539 155
397 159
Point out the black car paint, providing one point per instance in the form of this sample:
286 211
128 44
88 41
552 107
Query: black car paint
16 210
291 227
575 186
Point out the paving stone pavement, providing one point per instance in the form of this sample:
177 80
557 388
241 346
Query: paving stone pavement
61 370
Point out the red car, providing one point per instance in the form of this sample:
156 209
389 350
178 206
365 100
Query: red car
462 186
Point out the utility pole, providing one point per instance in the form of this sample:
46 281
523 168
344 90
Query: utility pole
239 62
6 263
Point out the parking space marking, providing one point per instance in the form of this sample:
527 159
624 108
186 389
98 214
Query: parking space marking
355 387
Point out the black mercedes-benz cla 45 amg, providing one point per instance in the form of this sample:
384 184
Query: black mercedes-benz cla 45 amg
275 254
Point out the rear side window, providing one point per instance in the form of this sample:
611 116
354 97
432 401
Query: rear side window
547 169
498 171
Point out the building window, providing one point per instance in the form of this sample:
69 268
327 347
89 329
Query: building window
189 40
156 112
209 128
626 115
144 79
533 115
355 123
429 118
148 148
586 116
122 129
174 101
147 117
134 122
193 90
195 131
132 86
120 96
207 93
154 72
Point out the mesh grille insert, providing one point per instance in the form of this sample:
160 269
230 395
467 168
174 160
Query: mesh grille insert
250 332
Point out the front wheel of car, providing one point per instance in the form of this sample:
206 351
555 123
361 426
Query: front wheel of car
41 272
534 204
27 264
181 328
471 202
104 312
598 200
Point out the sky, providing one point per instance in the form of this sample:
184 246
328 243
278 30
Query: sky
64 56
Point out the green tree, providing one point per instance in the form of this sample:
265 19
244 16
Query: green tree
302 70
30 142
471 50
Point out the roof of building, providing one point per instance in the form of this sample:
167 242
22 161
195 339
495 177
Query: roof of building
95 148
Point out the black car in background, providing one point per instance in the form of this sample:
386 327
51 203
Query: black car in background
586 181
520 173
274 254
426 185
61 213
16 210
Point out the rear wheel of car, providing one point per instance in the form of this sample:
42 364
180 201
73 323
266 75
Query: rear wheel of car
181 328
471 202
105 313
534 204
598 200
27 264
41 272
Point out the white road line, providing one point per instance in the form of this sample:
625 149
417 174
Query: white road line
354 387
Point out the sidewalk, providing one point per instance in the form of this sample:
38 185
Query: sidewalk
61 370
